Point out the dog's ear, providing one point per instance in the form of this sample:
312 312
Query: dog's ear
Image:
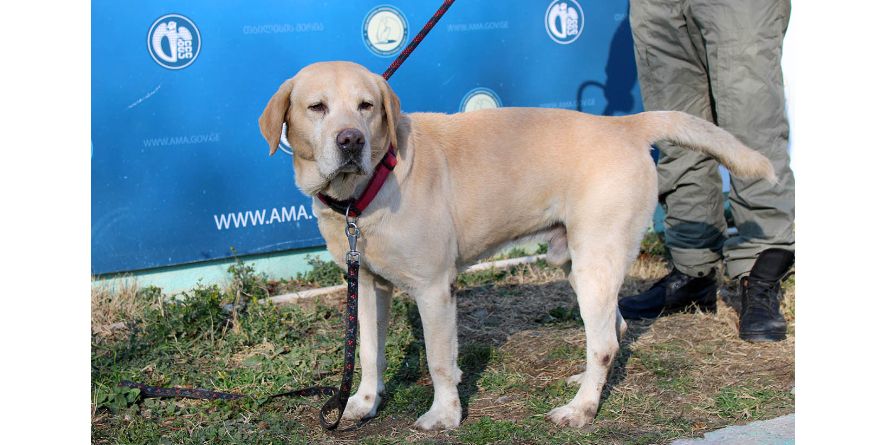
392 109
271 120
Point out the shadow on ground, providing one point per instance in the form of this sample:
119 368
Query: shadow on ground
677 376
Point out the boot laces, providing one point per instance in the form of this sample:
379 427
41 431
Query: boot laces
760 294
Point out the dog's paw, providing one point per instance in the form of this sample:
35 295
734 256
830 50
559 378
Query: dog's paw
576 379
440 418
569 415
361 406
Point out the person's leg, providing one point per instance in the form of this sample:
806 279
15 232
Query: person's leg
743 42
672 74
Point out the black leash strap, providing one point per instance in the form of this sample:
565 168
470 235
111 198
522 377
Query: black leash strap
340 397
148 391
332 410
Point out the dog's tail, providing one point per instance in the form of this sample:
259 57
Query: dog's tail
702 136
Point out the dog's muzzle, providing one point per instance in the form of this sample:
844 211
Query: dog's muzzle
351 143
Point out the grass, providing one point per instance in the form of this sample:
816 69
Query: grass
746 402
520 336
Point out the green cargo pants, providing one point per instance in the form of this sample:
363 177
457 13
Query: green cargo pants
719 60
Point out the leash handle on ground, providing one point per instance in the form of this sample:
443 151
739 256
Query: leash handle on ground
148 391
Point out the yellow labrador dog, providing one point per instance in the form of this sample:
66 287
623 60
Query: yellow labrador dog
467 183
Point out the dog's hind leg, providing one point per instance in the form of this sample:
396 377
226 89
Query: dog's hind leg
437 308
599 253
373 312
621 328
558 255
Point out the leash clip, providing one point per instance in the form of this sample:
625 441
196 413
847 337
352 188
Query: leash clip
352 232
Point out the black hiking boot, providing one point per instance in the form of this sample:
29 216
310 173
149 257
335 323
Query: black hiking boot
760 318
676 292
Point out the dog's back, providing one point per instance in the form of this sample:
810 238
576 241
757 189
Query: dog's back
540 160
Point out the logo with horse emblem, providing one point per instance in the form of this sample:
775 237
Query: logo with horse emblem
478 99
174 41
564 21
384 30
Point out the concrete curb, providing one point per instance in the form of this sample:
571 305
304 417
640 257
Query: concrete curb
504 264
778 431
311 294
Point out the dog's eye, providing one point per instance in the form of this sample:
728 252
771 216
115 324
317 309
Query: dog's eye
318 107
364 106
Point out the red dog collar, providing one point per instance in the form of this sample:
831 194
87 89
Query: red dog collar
382 170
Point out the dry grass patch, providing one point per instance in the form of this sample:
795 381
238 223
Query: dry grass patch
115 306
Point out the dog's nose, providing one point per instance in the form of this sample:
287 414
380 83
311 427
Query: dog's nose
350 141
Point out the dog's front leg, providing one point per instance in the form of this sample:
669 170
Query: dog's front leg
374 307
437 308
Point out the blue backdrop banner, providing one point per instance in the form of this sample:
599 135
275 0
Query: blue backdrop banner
180 171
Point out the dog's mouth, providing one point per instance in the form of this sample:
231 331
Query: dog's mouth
349 167
334 183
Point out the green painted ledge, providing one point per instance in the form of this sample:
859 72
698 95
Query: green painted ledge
174 279
277 265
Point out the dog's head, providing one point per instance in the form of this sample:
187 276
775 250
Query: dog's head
340 118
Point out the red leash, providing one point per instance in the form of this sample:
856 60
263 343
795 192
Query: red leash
417 39
332 410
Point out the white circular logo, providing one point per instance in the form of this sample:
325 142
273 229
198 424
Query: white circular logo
478 99
174 41
385 30
564 21
284 143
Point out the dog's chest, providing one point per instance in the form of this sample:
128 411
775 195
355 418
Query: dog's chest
385 251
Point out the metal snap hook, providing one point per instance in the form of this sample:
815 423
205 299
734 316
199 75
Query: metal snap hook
352 232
